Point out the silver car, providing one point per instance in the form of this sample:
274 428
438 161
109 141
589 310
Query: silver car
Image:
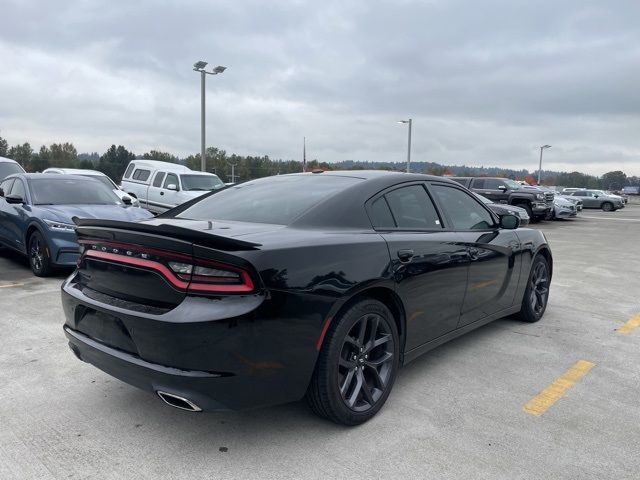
598 199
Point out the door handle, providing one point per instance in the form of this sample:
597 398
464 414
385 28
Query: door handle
473 252
405 256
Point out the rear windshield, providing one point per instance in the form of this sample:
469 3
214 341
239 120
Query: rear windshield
201 182
66 191
278 200
7 168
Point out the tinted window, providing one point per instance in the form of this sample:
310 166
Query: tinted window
461 181
6 187
493 184
172 179
129 169
201 182
278 200
381 215
71 191
18 189
478 183
412 208
580 194
141 175
157 181
464 211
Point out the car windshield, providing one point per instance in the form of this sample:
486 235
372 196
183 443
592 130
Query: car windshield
68 191
7 168
512 184
103 179
483 199
201 182
277 200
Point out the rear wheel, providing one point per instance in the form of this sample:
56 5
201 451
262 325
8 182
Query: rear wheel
39 258
357 365
536 294
607 207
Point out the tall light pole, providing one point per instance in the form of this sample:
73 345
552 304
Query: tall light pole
540 165
410 122
199 66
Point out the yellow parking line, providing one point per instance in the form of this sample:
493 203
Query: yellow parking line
550 395
12 285
630 326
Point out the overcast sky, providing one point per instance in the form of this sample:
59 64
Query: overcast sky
486 82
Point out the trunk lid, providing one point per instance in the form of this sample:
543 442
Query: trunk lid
158 263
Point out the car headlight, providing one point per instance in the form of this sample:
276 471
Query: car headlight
60 226
540 196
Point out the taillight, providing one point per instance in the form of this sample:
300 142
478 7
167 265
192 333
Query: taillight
182 271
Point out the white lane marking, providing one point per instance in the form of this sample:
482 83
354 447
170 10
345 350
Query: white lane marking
611 218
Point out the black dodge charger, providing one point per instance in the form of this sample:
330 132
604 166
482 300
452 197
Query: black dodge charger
319 285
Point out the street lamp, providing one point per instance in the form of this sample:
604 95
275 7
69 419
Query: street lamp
199 66
410 122
540 166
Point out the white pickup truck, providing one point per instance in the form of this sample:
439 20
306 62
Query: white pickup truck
160 186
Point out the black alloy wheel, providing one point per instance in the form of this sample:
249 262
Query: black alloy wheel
536 296
39 259
607 207
357 365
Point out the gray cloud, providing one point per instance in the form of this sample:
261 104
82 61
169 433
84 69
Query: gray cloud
486 82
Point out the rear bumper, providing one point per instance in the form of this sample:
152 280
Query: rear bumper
219 354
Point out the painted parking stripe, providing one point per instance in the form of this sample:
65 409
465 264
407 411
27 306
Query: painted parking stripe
630 326
554 392
611 218
12 285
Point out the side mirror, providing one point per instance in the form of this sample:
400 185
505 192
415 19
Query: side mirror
172 186
509 222
14 199
126 200
1 192
502 187
596 196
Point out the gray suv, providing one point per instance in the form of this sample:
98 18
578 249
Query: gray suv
598 199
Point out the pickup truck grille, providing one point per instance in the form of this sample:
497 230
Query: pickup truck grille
548 198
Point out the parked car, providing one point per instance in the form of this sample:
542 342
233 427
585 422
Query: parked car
574 200
598 199
98 176
502 209
563 208
316 284
537 203
160 186
8 167
37 211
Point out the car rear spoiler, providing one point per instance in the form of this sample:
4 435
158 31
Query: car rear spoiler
219 242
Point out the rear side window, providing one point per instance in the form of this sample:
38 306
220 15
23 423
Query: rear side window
381 214
477 183
463 210
412 208
493 184
129 170
141 174
7 168
157 181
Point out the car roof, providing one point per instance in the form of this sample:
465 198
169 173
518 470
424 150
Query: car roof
378 174
157 164
7 160
73 171
53 176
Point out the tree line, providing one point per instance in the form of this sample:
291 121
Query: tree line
114 161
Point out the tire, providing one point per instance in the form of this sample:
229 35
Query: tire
607 207
527 208
39 255
344 361
536 295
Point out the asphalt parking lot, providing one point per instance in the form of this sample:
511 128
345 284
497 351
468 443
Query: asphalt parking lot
457 412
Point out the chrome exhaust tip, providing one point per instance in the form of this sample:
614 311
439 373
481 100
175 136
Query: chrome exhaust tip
178 402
